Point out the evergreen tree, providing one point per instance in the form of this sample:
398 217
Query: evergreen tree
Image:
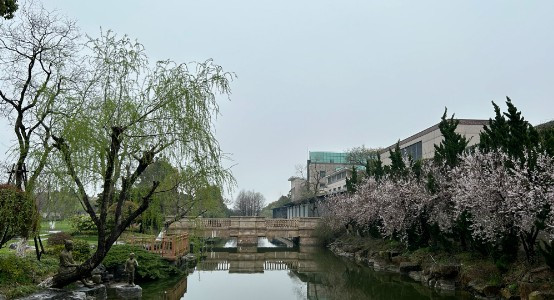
352 182
397 166
375 168
509 132
453 144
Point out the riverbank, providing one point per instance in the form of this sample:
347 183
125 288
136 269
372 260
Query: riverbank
450 271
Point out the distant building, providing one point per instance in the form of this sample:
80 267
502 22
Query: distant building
320 164
297 188
422 144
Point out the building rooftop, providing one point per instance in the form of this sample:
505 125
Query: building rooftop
433 128
328 157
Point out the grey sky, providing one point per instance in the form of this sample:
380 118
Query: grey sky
331 75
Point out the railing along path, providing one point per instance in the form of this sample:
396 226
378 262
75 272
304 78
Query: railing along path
169 247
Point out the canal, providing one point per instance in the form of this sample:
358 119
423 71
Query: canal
277 272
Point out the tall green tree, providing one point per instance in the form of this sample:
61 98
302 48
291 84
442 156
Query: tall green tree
397 166
453 144
120 117
352 182
509 132
375 168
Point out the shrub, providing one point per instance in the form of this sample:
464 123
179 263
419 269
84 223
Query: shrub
56 243
58 238
82 224
151 266
81 250
19 276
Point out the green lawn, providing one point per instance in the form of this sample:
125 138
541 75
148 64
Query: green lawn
62 225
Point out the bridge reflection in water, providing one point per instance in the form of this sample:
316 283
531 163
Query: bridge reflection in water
255 260
301 273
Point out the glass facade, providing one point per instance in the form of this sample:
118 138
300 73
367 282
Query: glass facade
328 157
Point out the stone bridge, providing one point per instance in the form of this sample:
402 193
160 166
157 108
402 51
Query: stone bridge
247 230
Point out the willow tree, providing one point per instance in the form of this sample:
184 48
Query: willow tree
37 52
126 113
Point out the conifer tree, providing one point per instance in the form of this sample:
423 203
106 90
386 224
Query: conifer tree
352 182
509 132
448 151
375 168
397 166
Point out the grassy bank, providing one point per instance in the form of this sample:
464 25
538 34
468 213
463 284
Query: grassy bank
20 276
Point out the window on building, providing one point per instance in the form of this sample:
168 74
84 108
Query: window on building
413 150
321 174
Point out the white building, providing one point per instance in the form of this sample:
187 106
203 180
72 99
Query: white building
422 144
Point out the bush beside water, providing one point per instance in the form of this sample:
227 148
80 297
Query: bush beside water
151 266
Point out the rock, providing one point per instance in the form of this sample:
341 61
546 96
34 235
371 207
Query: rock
13 246
406 267
2 297
76 296
56 294
370 262
99 291
97 278
48 282
542 274
379 266
425 278
484 289
445 285
392 268
526 288
507 294
432 283
415 275
444 271
541 295
124 291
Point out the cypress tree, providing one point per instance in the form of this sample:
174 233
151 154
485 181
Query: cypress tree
453 144
352 181
509 132
397 166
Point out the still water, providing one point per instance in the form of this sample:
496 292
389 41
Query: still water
270 272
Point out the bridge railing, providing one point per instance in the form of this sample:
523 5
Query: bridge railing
170 246
207 223
281 223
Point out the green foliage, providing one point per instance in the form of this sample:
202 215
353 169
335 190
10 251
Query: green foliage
352 181
58 238
375 168
268 210
546 132
18 213
82 224
19 276
453 144
397 166
509 132
8 8
151 266
547 252
81 250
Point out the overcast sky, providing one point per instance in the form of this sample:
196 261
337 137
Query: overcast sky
331 75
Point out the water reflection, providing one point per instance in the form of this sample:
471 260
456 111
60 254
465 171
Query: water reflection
281 273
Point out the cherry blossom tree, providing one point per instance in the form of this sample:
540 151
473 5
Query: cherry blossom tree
502 196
